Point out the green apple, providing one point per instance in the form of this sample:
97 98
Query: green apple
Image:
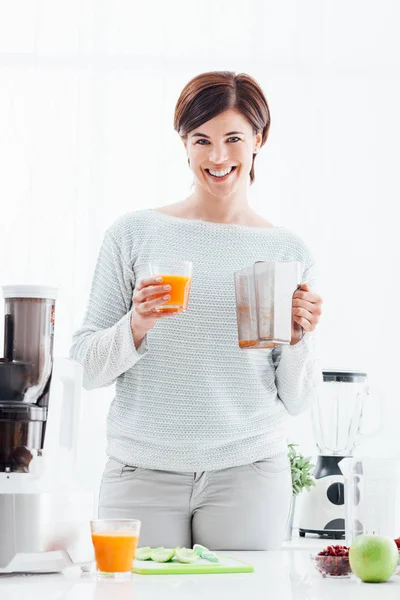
373 558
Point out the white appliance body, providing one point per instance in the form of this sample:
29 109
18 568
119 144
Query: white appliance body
45 532
45 514
319 515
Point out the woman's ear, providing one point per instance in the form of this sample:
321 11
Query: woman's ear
184 141
257 141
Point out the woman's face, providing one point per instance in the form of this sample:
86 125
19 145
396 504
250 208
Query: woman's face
221 153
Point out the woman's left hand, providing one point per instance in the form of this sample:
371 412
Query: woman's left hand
306 311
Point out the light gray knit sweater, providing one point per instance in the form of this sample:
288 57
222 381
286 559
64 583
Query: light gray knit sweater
189 399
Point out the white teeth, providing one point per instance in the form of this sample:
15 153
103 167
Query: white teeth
220 173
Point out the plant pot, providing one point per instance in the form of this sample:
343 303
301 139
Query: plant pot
289 525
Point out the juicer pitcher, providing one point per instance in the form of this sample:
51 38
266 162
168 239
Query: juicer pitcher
264 293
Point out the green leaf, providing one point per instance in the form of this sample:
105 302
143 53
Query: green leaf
301 467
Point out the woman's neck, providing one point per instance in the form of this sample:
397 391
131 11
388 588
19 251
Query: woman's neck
231 209
203 207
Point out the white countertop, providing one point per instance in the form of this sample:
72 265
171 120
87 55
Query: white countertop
288 574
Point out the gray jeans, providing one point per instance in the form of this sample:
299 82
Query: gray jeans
239 508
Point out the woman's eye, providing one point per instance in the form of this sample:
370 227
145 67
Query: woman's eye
234 139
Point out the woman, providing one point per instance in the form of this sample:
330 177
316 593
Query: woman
196 432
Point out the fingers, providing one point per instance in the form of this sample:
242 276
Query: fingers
310 307
150 292
149 289
308 296
308 319
149 296
306 308
302 312
305 323
150 306
146 281
149 282
303 303
305 287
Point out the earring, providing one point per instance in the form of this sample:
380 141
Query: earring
189 162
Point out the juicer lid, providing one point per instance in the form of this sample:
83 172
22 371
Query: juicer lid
343 376
30 291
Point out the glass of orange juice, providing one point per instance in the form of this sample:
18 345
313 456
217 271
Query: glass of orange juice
178 274
115 542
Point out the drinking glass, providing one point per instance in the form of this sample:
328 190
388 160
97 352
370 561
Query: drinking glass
178 274
115 542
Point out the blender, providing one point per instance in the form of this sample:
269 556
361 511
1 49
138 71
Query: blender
44 513
337 416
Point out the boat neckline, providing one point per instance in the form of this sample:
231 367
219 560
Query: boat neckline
213 223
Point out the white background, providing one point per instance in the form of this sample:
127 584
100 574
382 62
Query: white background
87 94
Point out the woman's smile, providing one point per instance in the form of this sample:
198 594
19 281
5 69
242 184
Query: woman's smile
221 174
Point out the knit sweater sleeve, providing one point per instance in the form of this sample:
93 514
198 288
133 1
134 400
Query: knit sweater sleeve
104 344
298 372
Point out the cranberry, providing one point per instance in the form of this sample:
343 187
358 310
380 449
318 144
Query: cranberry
333 561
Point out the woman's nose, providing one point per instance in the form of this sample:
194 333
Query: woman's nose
218 154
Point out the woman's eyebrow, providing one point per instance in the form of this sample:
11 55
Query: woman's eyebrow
208 137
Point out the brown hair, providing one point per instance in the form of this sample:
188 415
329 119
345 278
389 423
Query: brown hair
209 94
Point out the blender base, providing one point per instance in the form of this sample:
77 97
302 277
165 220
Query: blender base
323 510
336 535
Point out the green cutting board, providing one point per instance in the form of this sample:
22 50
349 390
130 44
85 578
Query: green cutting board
173 567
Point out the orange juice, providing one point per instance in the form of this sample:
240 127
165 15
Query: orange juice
257 344
180 288
114 550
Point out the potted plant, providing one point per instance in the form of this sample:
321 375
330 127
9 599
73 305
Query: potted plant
302 478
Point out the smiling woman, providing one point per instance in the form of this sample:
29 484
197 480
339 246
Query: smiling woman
196 432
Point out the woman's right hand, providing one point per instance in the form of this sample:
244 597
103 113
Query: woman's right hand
149 294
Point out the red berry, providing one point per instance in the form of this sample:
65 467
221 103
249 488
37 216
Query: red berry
334 560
